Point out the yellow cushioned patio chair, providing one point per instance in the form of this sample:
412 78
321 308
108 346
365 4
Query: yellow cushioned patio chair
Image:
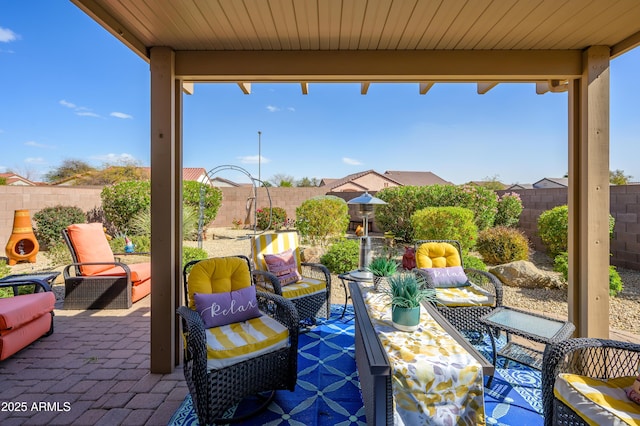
307 285
464 294
239 342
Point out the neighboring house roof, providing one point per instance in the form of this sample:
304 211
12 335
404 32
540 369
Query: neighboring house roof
17 180
552 183
196 174
368 180
520 186
222 182
486 182
416 178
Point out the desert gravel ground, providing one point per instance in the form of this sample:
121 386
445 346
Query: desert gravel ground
624 312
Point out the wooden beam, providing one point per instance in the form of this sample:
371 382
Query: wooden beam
485 87
588 196
625 45
188 87
364 87
245 87
305 88
383 66
99 14
426 86
554 86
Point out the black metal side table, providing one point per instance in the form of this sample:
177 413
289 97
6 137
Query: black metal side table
353 276
530 326
41 280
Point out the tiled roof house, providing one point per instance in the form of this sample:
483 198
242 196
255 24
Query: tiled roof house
16 180
370 180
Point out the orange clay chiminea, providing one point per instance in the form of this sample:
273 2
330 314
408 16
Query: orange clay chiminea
22 244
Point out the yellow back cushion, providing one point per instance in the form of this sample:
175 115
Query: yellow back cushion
437 255
218 275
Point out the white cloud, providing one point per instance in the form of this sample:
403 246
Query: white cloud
34 160
120 115
253 159
36 144
111 158
351 161
292 109
272 108
87 114
6 35
67 104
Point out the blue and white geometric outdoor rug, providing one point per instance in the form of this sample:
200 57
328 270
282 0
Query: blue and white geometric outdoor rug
328 390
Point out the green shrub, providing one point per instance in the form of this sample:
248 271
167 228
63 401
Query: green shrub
59 254
445 223
561 264
141 243
124 200
553 229
50 222
509 210
402 202
322 218
278 217
342 256
473 262
140 223
4 268
502 245
191 192
193 253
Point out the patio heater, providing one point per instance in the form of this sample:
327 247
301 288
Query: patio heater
365 203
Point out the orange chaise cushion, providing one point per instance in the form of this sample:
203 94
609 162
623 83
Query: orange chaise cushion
90 245
20 310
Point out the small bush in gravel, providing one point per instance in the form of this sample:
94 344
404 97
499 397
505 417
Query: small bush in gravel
322 218
278 218
193 253
4 268
123 200
502 245
445 223
561 264
342 256
58 254
50 222
141 243
473 262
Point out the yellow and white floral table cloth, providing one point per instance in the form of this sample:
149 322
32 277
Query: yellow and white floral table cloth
435 381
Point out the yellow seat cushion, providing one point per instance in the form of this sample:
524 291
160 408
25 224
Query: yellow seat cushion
304 287
237 342
218 275
470 295
598 401
437 255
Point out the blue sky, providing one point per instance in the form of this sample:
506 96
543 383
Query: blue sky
70 90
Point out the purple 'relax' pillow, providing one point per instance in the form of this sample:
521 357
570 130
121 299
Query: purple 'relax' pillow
218 309
452 276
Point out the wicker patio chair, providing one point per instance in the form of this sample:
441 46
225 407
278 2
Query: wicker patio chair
311 292
96 279
218 374
589 357
476 299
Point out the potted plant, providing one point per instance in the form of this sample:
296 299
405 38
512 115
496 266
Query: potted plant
382 268
407 291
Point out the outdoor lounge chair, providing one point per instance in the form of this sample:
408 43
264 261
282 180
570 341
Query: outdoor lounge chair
238 341
307 285
462 301
95 279
586 378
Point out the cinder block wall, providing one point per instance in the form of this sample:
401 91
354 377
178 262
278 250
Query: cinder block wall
624 207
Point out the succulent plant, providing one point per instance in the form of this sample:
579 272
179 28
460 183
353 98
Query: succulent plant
382 267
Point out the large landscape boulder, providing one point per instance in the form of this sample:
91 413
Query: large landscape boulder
523 273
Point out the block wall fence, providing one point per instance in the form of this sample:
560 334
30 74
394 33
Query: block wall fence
238 204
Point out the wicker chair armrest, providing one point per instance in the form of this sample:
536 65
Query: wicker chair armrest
194 333
316 270
39 285
493 282
67 268
591 357
282 310
275 282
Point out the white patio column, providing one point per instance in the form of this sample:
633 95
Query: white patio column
166 183
589 196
